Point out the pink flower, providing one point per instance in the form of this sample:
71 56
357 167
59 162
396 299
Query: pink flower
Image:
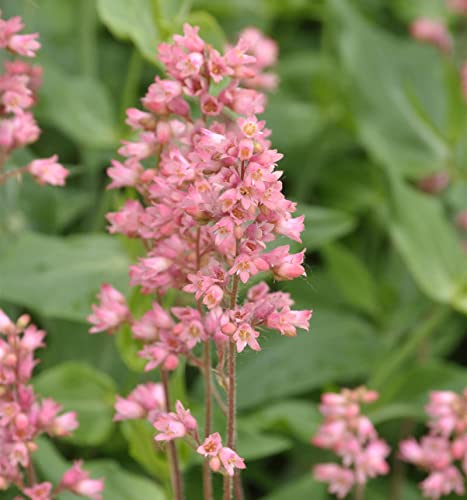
458 6
48 171
112 311
231 461
24 45
245 335
41 491
124 174
7 327
461 220
340 479
433 32
213 296
169 427
438 484
211 446
76 480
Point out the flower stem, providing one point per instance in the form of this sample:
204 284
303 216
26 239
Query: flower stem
231 398
207 484
175 475
359 491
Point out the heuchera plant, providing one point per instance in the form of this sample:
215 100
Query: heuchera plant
444 445
24 417
18 94
352 436
208 209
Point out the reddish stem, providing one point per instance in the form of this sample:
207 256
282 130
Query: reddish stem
175 475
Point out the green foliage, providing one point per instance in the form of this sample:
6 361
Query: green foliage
66 272
78 387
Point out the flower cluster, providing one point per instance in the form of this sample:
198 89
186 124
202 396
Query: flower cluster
18 94
353 438
23 417
209 206
147 401
446 443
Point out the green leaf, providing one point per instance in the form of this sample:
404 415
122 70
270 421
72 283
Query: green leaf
79 106
254 445
285 417
338 347
433 9
429 246
323 225
305 488
399 94
133 20
119 484
63 274
123 485
210 30
352 278
78 387
140 437
406 393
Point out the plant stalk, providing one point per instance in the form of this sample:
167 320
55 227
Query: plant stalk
176 479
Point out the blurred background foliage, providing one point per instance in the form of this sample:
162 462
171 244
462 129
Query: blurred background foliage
361 114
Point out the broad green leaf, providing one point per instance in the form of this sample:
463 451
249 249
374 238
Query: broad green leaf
406 393
286 417
123 485
338 347
352 278
323 225
119 484
90 393
142 448
210 30
400 100
429 246
409 11
293 122
79 106
305 488
254 445
59 277
134 20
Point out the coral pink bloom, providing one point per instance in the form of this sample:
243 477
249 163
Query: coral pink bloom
444 482
433 32
231 461
245 335
124 174
7 327
340 479
211 446
112 311
169 427
458 6
48 171
42 491
24 45
64 425
213 296
186 417
78 481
